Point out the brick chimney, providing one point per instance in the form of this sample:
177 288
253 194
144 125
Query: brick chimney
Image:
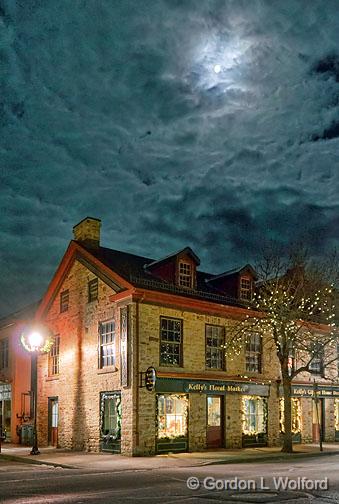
88 232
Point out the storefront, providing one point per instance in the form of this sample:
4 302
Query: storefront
316 400
5 410
173 401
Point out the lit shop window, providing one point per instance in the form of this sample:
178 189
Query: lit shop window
296 415
337 414
172 416
111 415
254 412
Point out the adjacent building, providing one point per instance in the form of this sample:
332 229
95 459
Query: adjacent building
15 377
116 314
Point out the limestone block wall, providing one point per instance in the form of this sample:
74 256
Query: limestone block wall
80 380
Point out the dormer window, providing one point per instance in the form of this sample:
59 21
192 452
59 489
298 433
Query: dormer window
245 289
185 274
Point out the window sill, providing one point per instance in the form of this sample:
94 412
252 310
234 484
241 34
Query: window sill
108 369
52 378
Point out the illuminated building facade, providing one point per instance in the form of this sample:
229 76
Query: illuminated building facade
115 314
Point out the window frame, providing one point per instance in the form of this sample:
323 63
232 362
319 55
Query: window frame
92 282
219 348
257 354
107 344
4 353
161 341
54 358
317 360
185 273
248 290
64 304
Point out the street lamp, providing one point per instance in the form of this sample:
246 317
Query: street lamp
36 339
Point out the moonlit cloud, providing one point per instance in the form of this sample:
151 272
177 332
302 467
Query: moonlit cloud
114 109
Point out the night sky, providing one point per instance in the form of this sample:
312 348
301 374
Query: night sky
210 124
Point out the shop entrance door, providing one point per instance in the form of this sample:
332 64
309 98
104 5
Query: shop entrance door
53 420
214 421
315 425
5 419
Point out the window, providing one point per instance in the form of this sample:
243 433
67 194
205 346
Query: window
4 353
53 357
317 364
185 274
245 289
107 344
64 299
215 347
172 416
110 421
254 353
93 290
254 415
170 341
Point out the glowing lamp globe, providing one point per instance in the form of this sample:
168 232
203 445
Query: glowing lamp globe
37 339
217 69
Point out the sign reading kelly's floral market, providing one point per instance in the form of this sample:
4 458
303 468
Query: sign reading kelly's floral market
210 387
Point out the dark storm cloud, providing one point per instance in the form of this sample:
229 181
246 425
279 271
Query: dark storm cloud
113 109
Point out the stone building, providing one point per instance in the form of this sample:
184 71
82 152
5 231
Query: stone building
114 315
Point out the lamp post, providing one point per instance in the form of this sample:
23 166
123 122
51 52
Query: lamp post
35 340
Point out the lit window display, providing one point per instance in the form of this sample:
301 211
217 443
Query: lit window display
172 416
296 415
254 410
337 414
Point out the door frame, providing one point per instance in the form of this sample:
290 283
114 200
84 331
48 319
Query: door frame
49 430
222 420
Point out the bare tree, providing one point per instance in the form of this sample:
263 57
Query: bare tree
293 309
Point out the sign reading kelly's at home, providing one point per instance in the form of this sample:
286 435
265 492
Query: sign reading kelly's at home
210 387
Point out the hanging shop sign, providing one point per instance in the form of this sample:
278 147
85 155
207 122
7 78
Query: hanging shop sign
210 387
150 378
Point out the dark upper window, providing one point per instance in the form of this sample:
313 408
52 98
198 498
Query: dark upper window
92 290
64 300
107 344
4 353
254 353
53 357
245 289
317 364
215 347
170 341
185 274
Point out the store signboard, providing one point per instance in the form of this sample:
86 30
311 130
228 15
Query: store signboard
210 387
321 391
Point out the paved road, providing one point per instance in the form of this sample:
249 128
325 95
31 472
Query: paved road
21 483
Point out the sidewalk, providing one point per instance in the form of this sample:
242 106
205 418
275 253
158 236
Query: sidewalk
110 462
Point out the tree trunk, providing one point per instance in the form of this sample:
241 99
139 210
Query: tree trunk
287 439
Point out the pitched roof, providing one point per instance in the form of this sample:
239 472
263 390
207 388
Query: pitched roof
27 312
235 271
186 250
133 269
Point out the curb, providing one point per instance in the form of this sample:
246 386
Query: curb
279 457
25 460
